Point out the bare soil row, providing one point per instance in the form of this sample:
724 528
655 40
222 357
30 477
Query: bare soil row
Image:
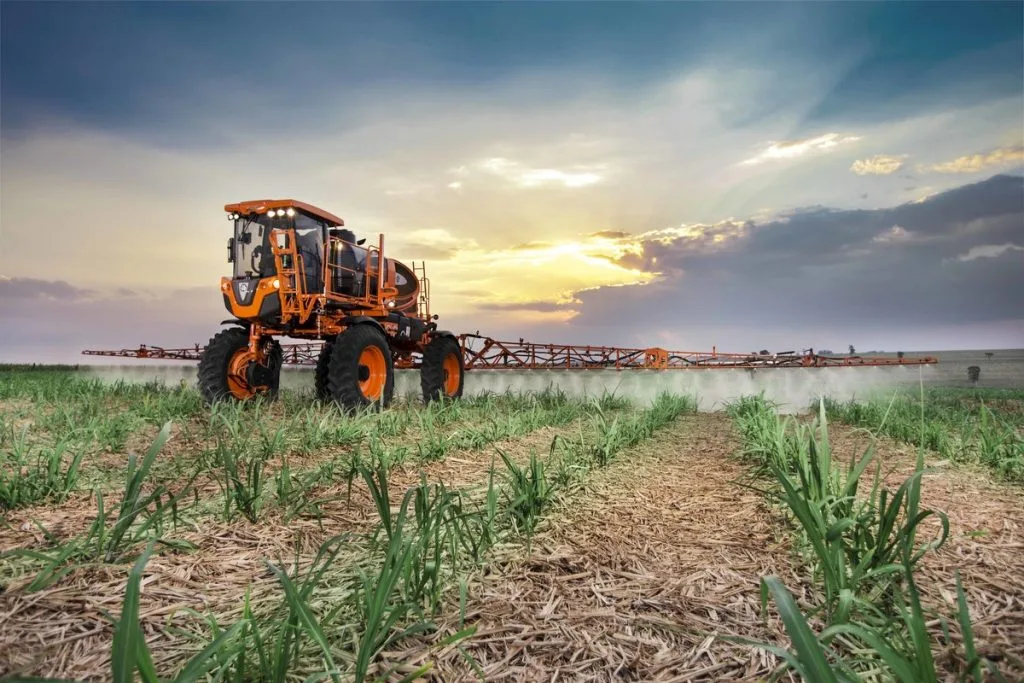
637 578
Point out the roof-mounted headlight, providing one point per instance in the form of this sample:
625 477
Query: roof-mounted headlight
290 212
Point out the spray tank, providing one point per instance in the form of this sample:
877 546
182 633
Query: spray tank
408 288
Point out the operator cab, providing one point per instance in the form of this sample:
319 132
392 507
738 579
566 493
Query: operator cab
249 248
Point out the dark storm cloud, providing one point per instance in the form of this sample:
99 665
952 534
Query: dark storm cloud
903 266
962 52
106 63
33 288
944 225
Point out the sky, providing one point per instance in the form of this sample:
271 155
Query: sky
683 175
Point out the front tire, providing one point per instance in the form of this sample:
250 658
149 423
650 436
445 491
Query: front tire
361 371
442 373
323 361
225 366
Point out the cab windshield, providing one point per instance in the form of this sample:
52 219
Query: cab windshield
252 247
254 258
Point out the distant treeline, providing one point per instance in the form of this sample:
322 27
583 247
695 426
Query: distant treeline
20 367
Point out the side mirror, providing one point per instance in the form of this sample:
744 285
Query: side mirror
231 250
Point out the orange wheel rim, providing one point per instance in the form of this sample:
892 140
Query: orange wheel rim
373 372
451 374
238 384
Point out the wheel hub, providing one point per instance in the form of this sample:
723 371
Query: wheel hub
450 369
373 372
240 382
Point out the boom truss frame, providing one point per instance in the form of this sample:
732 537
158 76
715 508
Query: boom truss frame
492 354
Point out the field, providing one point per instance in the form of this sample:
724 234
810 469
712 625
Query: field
683 532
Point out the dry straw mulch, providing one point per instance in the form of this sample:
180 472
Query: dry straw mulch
459 467
986 543
62 631
635 580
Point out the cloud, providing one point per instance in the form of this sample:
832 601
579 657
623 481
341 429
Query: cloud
928 194
549 272
573 181
894 234
974 163
698 237
545 306
824 276
385 166
35 288
431 243
57 329
537 311
880 164
791 149
536 244
988 251
521 175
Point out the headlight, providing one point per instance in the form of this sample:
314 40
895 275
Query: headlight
276 283
290 212
271 213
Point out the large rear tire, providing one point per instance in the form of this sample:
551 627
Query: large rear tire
442 373
224 368
323 361
361 371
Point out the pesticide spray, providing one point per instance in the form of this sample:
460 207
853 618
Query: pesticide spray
792 389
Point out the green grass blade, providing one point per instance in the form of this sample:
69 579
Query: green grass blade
127 634
898 665
808 650
309 623
201 662
963 615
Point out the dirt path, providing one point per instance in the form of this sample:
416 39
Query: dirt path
986 542
631 582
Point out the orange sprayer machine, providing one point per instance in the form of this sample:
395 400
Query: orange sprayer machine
298 272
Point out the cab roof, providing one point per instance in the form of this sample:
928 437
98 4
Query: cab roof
264 205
